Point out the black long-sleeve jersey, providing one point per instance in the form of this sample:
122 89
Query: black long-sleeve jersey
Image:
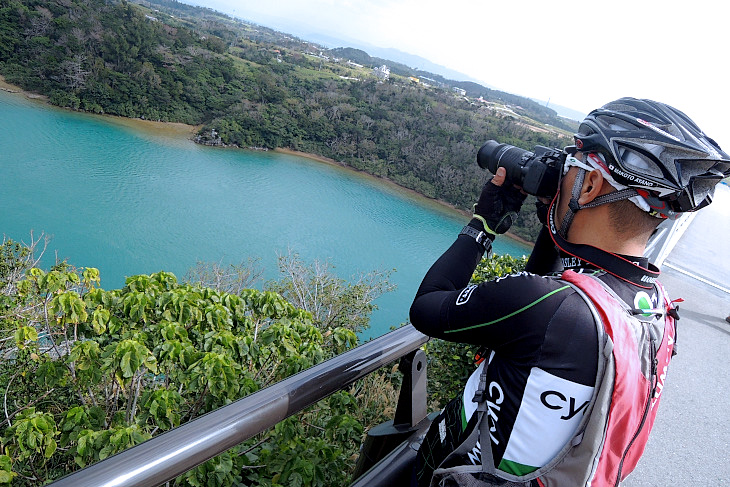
543 340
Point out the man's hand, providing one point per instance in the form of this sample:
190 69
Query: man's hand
499 205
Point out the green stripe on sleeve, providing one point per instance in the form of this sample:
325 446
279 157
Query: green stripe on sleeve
542 298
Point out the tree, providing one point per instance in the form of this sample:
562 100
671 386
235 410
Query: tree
87 373
332 301
231 278
74 73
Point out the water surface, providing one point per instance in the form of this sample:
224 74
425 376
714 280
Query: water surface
130 200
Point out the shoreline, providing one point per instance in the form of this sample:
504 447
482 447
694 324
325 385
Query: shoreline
180 130
174 129
381 180
7 87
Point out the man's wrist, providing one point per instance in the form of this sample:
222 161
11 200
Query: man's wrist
481 237
482 225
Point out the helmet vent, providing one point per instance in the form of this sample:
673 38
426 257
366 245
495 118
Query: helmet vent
638 163
616 124
619 107
690 169
672 129
702 187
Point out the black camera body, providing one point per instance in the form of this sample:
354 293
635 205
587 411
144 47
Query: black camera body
538 172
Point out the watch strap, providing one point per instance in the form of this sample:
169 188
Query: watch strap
481 237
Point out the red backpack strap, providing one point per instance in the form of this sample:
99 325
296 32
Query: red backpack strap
642 350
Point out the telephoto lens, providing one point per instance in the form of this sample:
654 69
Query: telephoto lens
537 173
493 155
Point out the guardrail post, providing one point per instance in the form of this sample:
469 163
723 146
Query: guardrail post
411 407
409 413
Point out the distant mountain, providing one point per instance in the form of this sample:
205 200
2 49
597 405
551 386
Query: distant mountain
394 55
565 112
424 65
536 110
312 34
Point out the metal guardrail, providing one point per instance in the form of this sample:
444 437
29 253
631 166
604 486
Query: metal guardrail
173 453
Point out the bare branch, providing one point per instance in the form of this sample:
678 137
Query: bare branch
331 300
229 278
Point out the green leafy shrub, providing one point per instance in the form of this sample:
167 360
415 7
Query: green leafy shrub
90 372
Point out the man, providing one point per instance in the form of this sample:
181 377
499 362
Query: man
576 365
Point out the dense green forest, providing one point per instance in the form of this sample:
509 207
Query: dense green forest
88 372
252 87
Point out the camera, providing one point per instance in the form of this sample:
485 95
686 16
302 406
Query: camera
538 172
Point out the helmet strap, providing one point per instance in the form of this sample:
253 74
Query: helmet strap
574 206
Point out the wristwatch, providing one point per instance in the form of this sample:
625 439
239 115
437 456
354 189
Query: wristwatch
482 238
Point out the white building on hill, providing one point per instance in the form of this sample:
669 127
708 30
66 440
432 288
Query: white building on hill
383 72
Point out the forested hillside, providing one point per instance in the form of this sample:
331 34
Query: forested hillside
475 90
252 87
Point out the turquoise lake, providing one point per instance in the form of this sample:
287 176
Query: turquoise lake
128 201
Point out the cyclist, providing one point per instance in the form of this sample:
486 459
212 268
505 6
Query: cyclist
560 407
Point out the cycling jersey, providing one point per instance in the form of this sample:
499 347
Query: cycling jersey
543 339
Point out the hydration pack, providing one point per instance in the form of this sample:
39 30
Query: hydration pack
635 347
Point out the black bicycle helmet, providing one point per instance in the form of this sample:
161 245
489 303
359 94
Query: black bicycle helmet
657 150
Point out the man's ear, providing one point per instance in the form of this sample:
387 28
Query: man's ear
592 187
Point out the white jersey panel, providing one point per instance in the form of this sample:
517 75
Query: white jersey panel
549 415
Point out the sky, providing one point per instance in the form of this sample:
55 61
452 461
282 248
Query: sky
578 54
